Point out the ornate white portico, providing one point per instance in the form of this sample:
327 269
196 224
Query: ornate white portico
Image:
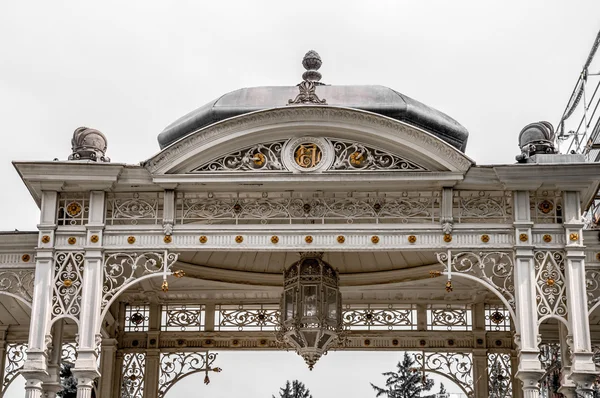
140 274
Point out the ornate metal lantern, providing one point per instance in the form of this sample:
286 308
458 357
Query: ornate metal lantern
311 308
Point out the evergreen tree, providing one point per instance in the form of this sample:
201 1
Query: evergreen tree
295 389
67 381
407 382
443 393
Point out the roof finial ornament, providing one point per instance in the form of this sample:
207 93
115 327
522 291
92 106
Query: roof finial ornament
311 62
88 144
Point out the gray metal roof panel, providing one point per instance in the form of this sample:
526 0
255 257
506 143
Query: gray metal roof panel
376 99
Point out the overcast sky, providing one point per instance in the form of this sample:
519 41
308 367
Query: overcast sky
129 68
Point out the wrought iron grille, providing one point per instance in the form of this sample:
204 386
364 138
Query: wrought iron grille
483 206
497 318
182 318
499 375
380 317
133 208
247 317
137 318
449 317
546 207
134 368
301 208
73 208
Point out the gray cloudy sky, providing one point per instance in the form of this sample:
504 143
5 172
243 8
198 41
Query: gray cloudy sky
129 68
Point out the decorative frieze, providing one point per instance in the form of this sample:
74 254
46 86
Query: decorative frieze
309 154
247 317
483 206
449 317
298 208
380 317
184 317
134 208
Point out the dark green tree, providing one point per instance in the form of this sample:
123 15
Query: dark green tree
443 393
67 381
295 389
407 382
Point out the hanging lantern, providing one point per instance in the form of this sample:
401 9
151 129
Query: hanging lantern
311 308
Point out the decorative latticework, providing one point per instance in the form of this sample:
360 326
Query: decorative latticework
18 283
133 208
497 318
263 157
68 353
499 375
134 368
176 365
123 268
247 317
353 156
546 207
187 317
494 269
348 156
449 317
456 366
481 206
73 209
293 208
380 317
137 318
15 360
67 284
592 282
550 284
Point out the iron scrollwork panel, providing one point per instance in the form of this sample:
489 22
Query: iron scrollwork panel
176 365
458 367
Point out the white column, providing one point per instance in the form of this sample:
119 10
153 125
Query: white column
583 370
52 384
151 375
567 386
480 361
529 369
86 367
107 367
35 368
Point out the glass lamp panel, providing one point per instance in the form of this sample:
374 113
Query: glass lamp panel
311 338
289 304
309 300
332 303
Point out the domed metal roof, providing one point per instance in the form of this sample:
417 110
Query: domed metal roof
376 99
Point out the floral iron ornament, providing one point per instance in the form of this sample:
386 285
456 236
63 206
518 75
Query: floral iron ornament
307 95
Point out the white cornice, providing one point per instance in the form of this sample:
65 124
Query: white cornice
67 175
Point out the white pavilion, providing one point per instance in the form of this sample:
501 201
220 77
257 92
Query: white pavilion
312 218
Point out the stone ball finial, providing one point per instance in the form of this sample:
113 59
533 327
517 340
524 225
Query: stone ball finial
88 144
312 62
536 138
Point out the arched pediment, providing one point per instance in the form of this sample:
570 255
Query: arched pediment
329 139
